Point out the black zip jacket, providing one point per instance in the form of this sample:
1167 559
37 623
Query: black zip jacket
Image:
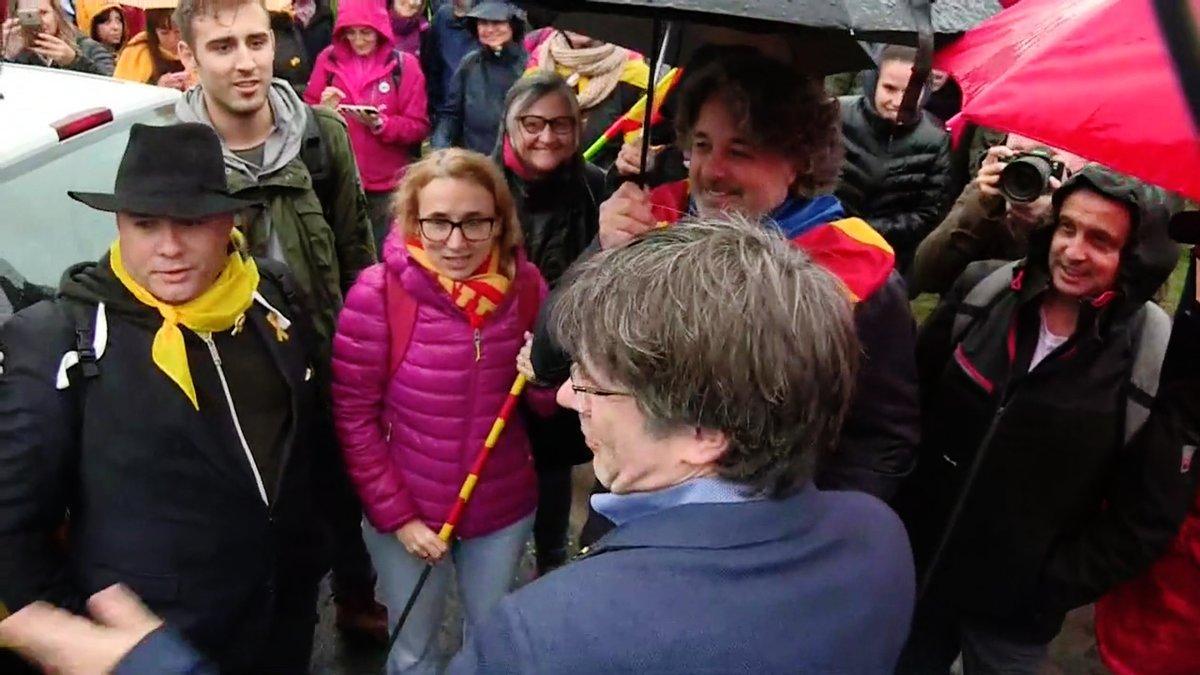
155 494
894 177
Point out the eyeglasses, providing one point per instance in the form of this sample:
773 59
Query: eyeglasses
473 229
559 126
593 391
596 391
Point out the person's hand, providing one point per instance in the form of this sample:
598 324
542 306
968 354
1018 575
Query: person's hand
525 360
988 178
63 643
372 120
174 80
1026 215
14 38
54 49
625 215
332 97
422 542
629 159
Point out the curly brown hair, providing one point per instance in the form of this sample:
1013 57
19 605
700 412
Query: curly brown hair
781 111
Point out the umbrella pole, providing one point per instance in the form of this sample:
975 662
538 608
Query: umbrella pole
647 121
1178 26
464 495
910 111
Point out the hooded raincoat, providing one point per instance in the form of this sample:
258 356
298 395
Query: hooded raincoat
1054 506
388 79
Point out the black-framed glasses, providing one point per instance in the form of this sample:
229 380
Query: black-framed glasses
559 126
473 229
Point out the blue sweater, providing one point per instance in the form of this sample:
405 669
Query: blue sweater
821 582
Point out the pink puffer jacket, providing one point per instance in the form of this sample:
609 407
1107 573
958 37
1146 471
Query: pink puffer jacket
409 439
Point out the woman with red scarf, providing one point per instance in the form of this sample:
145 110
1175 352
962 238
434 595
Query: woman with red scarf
456 284
558 198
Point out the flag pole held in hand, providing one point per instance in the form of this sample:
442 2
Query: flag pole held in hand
464 495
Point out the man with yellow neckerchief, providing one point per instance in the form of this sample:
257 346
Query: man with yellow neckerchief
161 407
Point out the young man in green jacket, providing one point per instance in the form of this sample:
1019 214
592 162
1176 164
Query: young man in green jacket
297 162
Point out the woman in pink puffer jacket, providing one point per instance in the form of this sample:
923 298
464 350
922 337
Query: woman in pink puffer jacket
409 437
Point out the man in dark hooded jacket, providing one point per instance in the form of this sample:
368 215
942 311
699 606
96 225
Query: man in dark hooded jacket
895 175
1039 484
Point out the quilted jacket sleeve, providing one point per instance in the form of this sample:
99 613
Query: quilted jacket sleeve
541 399
360 380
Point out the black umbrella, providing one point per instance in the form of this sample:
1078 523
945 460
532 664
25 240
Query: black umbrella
836 23
820 35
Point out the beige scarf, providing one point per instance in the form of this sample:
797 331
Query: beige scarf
593 71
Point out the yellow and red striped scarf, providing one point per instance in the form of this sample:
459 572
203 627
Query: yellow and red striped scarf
477 296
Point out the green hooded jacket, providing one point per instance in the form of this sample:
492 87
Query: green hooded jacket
325 254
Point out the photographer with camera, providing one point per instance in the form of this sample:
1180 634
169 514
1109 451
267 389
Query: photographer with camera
985 223
45 36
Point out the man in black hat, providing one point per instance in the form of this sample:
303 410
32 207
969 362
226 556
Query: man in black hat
154 421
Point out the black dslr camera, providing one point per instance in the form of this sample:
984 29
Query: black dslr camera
1027 175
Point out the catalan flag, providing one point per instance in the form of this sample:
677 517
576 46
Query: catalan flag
849 248
634 119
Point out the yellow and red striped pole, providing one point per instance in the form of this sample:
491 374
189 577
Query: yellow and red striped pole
464 494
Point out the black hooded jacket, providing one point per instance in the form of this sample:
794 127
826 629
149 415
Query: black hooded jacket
1060 507
153 493
894 177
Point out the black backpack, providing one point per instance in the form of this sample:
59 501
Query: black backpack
1150 330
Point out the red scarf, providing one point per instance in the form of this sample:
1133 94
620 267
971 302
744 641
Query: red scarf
514 163
477 296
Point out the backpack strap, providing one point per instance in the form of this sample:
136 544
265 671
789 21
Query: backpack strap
979 298
314 152
91 340
1150 332
397 70
401 317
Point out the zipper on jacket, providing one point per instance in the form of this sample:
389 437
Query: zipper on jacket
478 345
237 423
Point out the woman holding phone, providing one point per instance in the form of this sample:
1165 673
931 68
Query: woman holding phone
54 43
380 90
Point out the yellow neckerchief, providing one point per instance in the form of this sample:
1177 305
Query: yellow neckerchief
478 295
216 309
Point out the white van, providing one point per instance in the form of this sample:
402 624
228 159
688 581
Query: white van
59 131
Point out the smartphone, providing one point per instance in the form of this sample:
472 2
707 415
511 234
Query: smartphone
360 108
29 18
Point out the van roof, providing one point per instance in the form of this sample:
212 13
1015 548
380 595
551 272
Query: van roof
34 98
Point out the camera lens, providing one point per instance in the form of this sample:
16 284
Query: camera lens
1025 178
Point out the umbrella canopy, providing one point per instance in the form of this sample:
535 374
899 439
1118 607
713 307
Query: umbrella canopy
1089 76
874 20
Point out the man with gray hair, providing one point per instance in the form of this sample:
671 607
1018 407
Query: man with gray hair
713 366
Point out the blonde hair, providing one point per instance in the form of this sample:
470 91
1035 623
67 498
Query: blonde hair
66 29
465 165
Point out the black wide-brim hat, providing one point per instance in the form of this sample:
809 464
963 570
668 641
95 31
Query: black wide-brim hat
174 171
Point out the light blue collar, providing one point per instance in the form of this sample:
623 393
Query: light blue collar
621 509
